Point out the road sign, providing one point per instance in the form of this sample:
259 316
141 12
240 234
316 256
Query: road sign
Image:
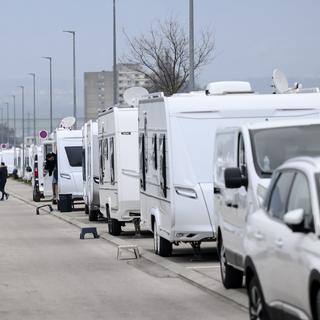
43 134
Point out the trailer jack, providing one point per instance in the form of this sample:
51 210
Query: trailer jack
136 223
196 246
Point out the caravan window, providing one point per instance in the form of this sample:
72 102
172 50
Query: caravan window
142 162
112 171
163 165
84 177
154 152
106 149
74 155
101 161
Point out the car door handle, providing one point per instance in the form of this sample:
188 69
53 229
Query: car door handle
279 243
258 235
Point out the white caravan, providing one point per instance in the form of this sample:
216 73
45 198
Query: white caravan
41 180
28 153
7 156
68 148
90 169
177 136
119 166
245 158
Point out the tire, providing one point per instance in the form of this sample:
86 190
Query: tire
317 306
257 306
36 196
93 216
162 247
230 276
114 227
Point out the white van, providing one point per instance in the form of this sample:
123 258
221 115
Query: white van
68 148
41 180
245 158
119 166
177 136
90 169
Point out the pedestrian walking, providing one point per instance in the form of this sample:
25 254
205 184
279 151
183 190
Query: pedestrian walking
3 180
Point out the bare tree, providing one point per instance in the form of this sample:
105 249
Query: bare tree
163 54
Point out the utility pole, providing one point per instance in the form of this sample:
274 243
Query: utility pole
50 70
8 129
191 45
23 143
34 107
115 71
74 76
14 128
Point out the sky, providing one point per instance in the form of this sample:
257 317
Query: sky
252 38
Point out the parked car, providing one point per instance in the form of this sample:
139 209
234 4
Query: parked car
245 157
282 245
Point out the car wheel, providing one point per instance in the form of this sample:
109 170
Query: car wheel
114 227
93 216
317 307
36 196
231 277
257 309
162 246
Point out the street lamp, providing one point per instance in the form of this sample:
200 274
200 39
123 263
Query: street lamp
34 107
23 144
191 45
8 130
74 75
14 128
115 72
2 127
50 63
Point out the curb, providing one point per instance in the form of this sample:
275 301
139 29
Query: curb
195 278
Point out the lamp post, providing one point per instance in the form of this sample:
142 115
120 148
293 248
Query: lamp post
74 75
50 64
34 107
115 72
14 128
8 130
2 127
22 109
191 45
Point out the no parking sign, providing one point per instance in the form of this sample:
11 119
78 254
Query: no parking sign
43 134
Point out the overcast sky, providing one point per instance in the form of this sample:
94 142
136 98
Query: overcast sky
252 38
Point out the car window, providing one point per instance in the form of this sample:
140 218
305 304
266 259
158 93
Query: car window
300 198
279 196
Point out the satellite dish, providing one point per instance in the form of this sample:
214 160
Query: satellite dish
131 95
67 123
280 81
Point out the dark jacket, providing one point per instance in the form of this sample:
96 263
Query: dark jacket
3 176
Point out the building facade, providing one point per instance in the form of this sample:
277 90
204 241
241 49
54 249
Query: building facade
98 87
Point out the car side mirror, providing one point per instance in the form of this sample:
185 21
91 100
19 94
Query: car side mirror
294 220
234 179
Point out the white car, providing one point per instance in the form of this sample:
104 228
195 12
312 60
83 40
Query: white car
282 245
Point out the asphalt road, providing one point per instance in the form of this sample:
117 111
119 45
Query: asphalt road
46 272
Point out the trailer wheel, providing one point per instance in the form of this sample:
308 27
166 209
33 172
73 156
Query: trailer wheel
162 246
93 215
114 227
36 196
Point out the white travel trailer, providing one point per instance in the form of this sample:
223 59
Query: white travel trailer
90 169
28 153
177 136
245 158
68 148
119 166
41 180
7 156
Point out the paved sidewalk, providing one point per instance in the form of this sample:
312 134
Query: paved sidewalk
205 273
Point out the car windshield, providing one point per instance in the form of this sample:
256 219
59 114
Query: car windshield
273 146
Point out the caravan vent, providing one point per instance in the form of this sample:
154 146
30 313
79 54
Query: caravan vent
228 87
